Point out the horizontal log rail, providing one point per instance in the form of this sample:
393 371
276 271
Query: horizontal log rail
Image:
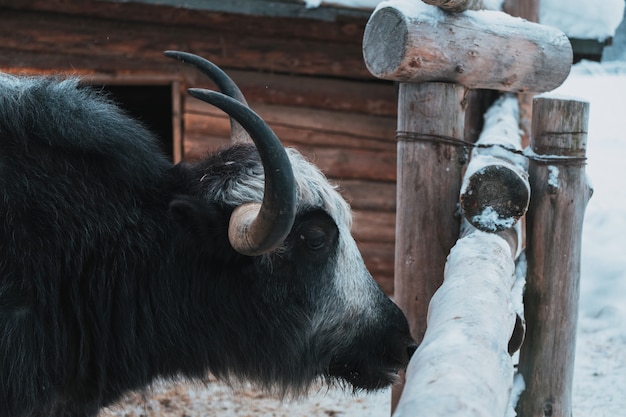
463 367
417 42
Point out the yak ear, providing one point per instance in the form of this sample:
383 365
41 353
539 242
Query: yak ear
203 221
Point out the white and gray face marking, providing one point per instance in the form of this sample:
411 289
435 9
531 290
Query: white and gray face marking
354 288
349 328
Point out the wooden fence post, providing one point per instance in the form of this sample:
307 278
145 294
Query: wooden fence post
560 193
430 129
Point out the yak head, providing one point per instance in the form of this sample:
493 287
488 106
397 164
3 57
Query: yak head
307 307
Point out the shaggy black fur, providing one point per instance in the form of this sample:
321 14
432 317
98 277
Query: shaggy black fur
114 269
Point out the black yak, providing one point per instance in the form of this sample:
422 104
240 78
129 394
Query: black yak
118 267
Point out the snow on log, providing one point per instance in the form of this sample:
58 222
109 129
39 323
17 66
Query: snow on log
456 5
553 247
416 42
495 191
462 367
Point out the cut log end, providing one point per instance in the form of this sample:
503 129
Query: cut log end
560 126
494 198
384 42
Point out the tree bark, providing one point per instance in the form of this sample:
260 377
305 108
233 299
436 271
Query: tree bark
474 49
554 228
431 117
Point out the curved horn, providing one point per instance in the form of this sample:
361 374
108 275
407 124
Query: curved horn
254 228
225 84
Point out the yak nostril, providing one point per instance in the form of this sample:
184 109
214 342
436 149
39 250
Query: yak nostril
410 350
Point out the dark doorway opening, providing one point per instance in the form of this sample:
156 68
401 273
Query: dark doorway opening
150 104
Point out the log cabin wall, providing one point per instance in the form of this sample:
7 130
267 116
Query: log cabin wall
304 75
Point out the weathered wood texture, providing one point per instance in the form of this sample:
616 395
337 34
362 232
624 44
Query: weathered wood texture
115 37
554 228
463 367
495 191
526 9
472 49
429 179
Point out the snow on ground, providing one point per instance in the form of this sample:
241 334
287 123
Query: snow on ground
583 19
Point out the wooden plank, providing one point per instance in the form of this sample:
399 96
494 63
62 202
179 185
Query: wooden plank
526 9
343 163
378 259
107 43
372 97
177 123
198 146
346 29
264 8
374 226
294 135
338 163
369 195
359 126
209 124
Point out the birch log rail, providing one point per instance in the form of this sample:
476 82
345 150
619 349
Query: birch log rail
495 191
463 368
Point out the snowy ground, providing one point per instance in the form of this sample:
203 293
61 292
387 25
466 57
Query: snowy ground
600 374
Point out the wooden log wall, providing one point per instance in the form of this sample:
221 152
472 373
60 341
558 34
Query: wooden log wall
306 77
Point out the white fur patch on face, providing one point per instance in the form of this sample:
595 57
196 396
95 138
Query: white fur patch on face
352 279
353 282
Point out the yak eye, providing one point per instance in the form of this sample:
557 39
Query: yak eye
316 233
314 238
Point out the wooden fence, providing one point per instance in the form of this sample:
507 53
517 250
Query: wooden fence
465 318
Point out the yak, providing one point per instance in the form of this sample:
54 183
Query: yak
118 267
